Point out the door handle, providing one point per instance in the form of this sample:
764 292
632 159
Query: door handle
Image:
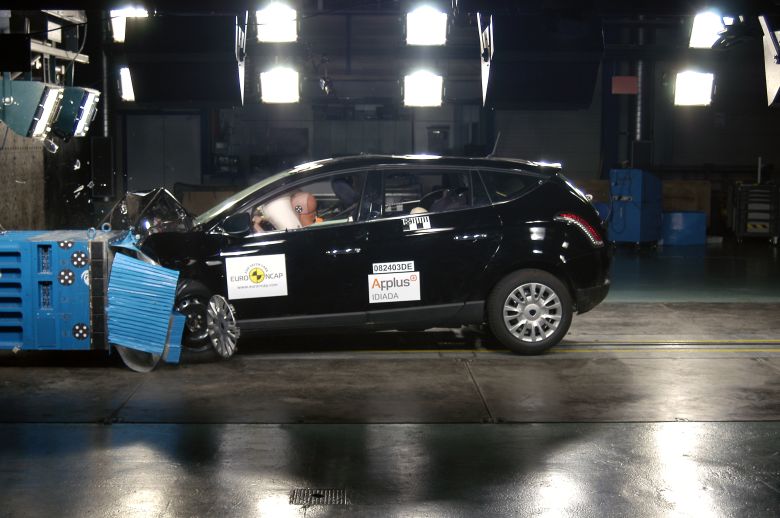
343 251
473 238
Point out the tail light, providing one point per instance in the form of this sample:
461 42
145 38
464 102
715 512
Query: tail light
587 229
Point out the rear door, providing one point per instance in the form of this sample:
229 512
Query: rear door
430 243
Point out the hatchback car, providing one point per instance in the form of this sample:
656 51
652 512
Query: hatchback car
387 242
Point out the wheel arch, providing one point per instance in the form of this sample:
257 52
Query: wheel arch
530 264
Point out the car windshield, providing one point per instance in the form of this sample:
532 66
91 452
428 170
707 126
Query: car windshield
229 203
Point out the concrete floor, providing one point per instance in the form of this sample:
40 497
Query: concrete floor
664 405
725 273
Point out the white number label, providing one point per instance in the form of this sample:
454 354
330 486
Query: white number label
403 266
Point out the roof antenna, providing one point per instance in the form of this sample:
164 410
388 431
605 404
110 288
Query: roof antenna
495 146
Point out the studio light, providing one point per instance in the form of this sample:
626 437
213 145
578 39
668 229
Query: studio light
47 112
279 85
30 108
126 85
706 29
693 88
426 25
79 106
423 88
277 23
119 20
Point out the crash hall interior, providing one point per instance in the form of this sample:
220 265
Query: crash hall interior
390 258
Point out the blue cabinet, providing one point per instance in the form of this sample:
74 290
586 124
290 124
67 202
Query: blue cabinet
636 198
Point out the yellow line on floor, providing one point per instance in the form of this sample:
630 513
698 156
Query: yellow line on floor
685 342
672 350
640 348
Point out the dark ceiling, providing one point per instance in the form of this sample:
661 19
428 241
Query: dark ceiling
592 7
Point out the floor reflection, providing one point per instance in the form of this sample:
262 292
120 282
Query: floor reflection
583 470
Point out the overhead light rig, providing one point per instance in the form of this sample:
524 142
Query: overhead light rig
38 96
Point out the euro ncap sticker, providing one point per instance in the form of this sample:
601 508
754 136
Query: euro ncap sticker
416 223
256 276
394 287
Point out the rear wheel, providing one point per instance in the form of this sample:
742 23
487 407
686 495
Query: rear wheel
530 311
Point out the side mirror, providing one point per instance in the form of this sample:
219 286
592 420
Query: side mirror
237 224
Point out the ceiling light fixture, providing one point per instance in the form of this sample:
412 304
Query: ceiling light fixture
706 30
277 23
126 85
423 88
119 20
693 88
426 25
279 85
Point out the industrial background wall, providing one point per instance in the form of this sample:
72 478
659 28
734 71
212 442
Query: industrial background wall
736 129
571 137
163 150
21 174
269 138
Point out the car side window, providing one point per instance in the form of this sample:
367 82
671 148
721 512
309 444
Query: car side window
480 194
406 192
502 186
332 200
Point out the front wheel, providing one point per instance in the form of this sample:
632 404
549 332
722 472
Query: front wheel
529 311
210 331
221 326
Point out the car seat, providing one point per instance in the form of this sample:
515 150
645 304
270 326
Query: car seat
344 191
451 199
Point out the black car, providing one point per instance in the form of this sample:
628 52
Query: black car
387 242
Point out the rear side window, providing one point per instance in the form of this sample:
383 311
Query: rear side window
406 192
480 194
505 186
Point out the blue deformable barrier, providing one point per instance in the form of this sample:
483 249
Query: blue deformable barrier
140 300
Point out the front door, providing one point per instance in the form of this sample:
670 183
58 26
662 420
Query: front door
296 273
300 263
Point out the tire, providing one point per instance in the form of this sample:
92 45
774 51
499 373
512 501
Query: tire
192 300
546 306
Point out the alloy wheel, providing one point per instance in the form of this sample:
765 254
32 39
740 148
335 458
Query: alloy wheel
532 312
221 326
